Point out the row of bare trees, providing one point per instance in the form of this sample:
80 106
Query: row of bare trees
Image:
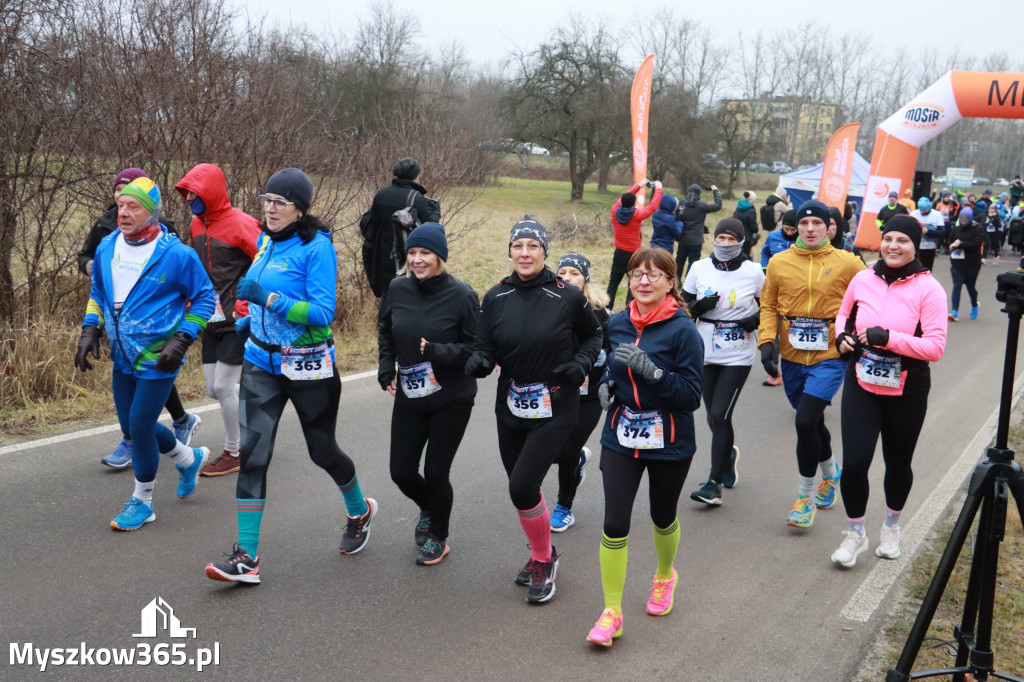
571 93
91 86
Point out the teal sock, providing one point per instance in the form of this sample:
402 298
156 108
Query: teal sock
829 468
250 516
354 500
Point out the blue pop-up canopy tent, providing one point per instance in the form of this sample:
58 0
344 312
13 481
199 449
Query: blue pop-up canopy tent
803 185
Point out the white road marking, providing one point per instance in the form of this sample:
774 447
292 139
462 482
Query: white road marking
869 595
116 428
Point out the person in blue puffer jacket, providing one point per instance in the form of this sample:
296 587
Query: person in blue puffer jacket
289 356
153 296
667 226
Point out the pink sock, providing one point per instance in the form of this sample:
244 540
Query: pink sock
537 526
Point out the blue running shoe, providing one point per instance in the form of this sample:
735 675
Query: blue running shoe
135 514
732 476
188 477
825 498
122 455
561 519
974 312
184 431
580 473
802 514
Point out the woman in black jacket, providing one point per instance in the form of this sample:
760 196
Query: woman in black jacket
965 241
574 268
747 215
427 321
543 334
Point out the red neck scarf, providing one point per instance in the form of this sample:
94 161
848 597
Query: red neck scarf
663 311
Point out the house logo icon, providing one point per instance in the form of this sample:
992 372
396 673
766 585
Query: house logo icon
158 616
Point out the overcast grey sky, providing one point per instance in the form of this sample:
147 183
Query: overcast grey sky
489 30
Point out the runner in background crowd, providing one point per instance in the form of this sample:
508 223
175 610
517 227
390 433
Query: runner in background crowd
747 215
289 356
908 200
427 323
894 207
965 243
803 289
543 334
184 425
722 294
893 317
574 268
149 290
933 229
651 389
225 239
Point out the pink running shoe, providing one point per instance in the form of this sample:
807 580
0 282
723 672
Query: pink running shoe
662 594
607 628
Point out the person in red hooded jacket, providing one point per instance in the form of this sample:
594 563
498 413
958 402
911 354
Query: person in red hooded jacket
225 239
626 220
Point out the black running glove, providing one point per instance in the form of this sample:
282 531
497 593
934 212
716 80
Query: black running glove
877 336
849 338
88 342
568 374
704 305
767 362
478 366
750 324
173 352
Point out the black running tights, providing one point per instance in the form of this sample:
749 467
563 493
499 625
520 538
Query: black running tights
622 475
721 387
262 397
898 419
569 459
441 433
813 441
527 456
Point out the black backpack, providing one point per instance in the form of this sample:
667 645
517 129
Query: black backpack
768 218
1015 233
383 247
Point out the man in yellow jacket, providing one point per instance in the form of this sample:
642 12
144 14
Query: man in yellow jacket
803 289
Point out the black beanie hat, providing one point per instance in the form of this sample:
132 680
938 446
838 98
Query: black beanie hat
789 217
528 228
815 209
429 236
293 185
406 169
732 227
628 200
578 261
906 224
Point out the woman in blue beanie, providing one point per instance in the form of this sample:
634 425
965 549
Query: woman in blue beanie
426 325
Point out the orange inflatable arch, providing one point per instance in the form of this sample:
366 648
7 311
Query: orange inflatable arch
958 94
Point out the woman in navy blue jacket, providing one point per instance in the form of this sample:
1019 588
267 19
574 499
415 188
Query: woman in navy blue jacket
651 389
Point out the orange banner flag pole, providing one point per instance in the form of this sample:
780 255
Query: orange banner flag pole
838 169
640 117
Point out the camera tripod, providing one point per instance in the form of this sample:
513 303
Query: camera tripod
994 480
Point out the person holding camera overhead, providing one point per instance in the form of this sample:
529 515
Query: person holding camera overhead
626 221
722 292
543 334
893 319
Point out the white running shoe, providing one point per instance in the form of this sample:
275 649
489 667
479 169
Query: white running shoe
889 545
850 549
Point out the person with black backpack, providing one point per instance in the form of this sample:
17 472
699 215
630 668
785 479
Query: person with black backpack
396 210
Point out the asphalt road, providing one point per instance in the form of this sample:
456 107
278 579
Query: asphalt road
756 600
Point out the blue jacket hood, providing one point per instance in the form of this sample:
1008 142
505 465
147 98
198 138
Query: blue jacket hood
668 203
623 215
743 205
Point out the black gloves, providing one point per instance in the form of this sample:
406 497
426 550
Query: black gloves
849 338
704 305
384 378
568 374
478 366
88 342
751 323
767 362
173 352
877 336
606 394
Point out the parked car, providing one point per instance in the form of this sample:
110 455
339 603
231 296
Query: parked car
760 168
806 166
1001 182
780 167
712 161
537 150
940 179
980 181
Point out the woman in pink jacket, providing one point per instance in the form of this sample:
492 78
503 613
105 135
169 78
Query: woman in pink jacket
894 316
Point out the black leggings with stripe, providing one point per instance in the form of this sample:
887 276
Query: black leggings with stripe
622 475
721 387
